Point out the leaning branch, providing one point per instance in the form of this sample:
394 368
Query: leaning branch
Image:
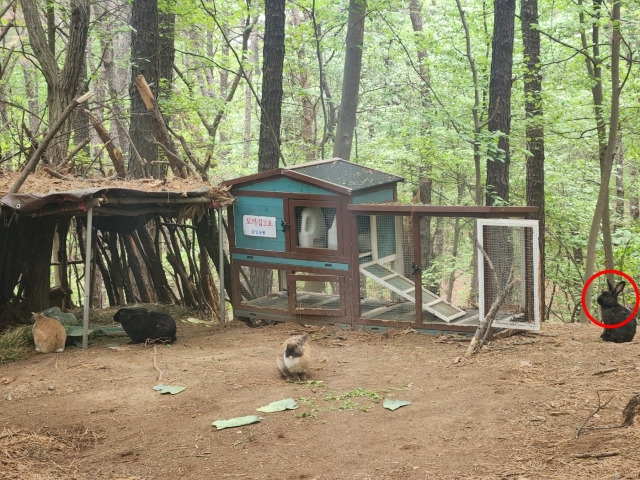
484 327
162 135
112 150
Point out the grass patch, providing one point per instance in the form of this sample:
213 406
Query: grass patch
16 343
355 393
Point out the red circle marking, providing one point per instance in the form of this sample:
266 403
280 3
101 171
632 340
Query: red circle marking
584 298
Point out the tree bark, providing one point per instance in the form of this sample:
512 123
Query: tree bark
36 267
350 80
62 83
600 215
145 62
534 130
500 101
273 60
112 150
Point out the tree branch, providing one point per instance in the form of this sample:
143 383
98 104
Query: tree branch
33 161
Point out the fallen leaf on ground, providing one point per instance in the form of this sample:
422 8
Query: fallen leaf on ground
391 404
236 422
164 389
279 406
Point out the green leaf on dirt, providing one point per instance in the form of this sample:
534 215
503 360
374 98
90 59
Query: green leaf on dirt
236 422
76 331
391 404
196 321
164 389
279 406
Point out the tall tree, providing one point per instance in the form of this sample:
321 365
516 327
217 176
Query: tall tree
425 180
62 83
500 100
534 130
272 64
166 48
608 148
145 62
350 80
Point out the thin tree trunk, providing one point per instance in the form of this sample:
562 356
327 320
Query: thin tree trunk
350 80
600 215
619 179
62 82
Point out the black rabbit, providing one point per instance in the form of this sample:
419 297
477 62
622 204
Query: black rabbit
613 312
141 324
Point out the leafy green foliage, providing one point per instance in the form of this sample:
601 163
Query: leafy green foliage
413 117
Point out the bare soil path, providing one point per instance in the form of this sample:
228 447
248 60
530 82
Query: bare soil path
510 413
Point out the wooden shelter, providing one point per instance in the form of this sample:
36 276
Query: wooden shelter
327 243
29 222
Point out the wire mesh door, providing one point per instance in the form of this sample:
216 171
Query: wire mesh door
508 267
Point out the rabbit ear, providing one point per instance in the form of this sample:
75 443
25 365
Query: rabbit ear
619 287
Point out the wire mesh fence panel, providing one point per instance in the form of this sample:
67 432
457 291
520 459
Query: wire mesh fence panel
447 257
387 290
431 264
319 294
509 263
264 287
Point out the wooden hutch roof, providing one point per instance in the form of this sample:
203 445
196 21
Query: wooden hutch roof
334 174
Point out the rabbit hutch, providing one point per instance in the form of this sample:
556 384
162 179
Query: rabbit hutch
327 242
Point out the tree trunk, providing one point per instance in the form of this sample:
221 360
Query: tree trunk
37 263
350 80
600 215
273 61
500 101
166 29
619 162
534 131
153 260
138 271
634 200
145 62
62 83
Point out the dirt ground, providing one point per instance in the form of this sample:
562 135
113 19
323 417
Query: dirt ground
510 413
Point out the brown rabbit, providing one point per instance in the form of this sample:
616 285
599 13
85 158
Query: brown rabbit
49 334
295 358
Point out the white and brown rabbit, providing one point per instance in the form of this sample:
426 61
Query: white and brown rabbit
49 334
295 358
613 313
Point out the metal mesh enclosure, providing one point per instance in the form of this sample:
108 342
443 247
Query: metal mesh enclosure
429 273
318 294
264 287
410 272
509 260
384 286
